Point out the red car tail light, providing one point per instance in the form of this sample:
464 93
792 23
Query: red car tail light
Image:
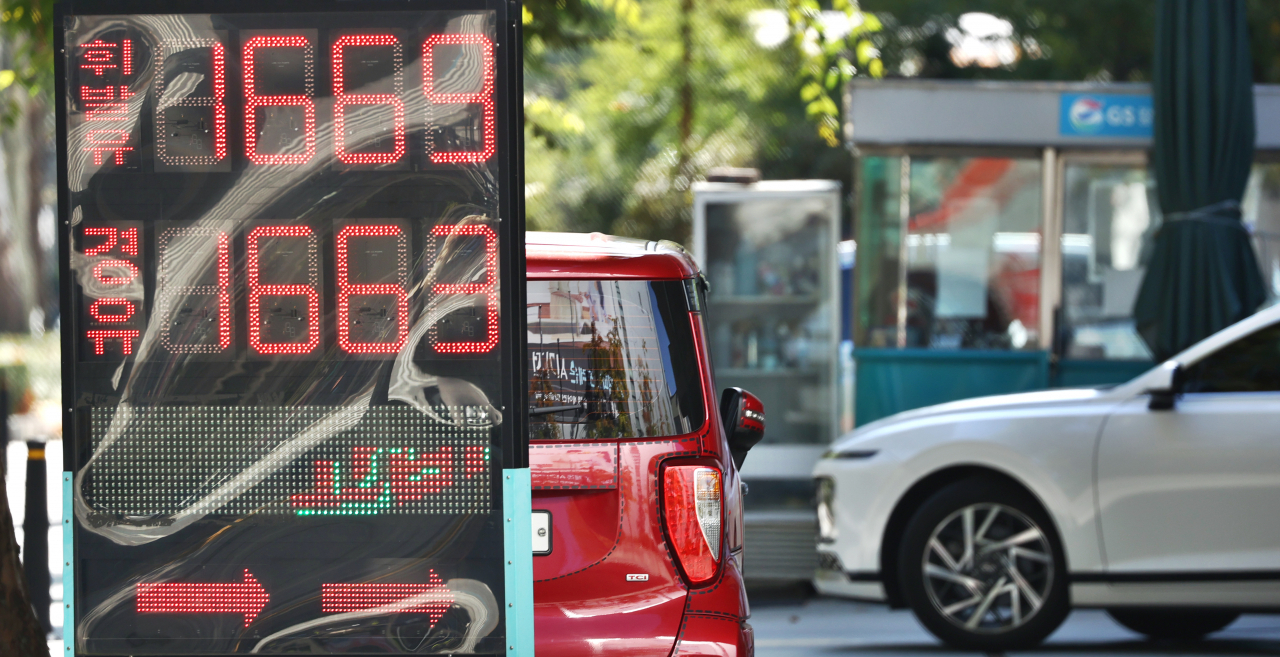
691 504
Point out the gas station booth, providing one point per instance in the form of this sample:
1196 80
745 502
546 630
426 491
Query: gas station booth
1002 230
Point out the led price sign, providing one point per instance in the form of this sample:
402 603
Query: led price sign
286 237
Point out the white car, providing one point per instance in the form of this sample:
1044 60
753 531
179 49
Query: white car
1157 499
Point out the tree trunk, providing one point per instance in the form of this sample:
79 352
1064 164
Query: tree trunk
686 85
36 163
20 633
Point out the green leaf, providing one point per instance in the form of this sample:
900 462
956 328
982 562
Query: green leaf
876 68
810 91
829 136
7 76
866 52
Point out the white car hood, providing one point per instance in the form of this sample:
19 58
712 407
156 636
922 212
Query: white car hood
1023 400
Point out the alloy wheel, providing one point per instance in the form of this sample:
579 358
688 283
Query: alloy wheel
988 568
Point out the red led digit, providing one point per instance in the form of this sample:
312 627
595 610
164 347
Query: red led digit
341 99
484 98
98 310
258 290
168 295
253 101
488 288
100 272
217 101
347 289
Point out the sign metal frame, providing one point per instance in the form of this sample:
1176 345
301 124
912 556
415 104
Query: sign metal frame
514 505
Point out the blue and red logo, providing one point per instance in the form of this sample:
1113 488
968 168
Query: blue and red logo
1105 115
1086 114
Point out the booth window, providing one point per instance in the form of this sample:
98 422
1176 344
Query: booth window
969 237
1262 216
1107 227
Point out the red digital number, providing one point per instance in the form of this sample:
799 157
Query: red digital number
168 295
484 98
341 99
488 288
347 289
252 101
217 101
258 290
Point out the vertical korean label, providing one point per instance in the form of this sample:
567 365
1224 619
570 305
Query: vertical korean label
105 70
109 271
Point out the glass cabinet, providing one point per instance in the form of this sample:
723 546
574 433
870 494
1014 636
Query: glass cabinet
769 252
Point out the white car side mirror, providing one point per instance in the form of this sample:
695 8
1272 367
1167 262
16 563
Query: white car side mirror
1164 391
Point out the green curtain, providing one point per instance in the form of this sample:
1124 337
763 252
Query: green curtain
1202 274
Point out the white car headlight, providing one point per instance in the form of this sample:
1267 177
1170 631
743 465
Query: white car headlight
826 489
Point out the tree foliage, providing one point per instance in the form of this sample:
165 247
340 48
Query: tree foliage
618 129
26 28
1097 40
834 47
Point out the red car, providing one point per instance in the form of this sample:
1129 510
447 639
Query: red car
637 506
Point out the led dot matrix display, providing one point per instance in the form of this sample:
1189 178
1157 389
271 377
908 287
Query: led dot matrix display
301 461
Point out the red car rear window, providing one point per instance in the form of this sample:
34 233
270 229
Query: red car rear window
611 359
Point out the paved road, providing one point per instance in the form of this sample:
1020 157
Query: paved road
790 623
789 626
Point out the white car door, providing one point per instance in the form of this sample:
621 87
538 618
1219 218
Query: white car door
1194 492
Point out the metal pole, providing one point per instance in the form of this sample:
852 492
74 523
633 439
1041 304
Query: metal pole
4 427
1050 246
35 530
904 227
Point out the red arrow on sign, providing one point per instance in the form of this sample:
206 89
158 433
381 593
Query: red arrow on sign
432 598
246 598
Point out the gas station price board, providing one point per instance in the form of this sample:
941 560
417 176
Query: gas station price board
286 240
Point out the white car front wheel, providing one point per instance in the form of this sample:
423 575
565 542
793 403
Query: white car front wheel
982 567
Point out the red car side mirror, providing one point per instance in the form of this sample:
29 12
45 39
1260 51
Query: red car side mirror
743 416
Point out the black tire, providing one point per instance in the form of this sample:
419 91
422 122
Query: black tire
1173 624
1044 576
